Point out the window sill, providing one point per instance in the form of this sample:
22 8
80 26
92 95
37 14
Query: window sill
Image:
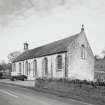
59 70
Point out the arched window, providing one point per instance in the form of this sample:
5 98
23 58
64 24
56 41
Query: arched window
14 67
29 68
59 62
35 68
26 68
45 63
20 68
83 53
23 67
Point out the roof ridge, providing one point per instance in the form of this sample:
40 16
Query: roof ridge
47 49
56 41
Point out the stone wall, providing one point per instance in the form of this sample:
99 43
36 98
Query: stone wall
52 67
78 67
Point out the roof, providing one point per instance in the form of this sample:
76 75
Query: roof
49 49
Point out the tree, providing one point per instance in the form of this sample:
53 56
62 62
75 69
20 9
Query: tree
5 66
13 55
1 68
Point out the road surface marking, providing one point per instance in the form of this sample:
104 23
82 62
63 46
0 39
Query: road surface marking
6 92
13 95
81 102
10 91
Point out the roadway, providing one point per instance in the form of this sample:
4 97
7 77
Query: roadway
15 95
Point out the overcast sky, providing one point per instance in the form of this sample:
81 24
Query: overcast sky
43 21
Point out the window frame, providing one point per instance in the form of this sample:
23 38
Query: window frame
29 68
83 52
45 66
59 62
14 67
26 67
35 67
20 67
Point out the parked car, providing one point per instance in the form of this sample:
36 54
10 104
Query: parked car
19 77
4 75
1 74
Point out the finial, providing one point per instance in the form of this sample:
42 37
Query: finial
26 46
26 42
82 29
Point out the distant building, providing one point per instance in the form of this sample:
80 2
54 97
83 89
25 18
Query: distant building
70 58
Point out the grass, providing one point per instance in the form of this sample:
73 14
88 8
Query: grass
89 92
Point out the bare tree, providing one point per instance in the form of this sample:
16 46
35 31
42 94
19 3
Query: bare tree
13 55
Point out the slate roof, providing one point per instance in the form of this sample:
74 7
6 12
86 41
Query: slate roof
49 49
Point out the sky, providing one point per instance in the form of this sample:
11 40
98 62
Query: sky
43 21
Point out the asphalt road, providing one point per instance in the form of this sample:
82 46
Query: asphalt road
14 95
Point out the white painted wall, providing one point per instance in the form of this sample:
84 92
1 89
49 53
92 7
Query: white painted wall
52 68
78 68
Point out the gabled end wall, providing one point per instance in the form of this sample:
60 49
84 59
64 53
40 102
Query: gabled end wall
79 68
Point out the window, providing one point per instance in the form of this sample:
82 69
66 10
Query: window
26 68
14 67
59 62
45 63
29 68
23 67
83 56
19 67
35 68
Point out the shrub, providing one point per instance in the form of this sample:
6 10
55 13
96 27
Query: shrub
76 81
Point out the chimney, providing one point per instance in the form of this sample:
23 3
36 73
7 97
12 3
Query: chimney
82 29
25 46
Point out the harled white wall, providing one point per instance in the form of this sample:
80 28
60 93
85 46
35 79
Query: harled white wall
79 68
52 67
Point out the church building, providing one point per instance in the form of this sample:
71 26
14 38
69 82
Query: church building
70 58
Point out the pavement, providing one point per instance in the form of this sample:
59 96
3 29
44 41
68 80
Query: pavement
28 83
16 95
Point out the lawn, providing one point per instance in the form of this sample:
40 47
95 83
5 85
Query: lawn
93 93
